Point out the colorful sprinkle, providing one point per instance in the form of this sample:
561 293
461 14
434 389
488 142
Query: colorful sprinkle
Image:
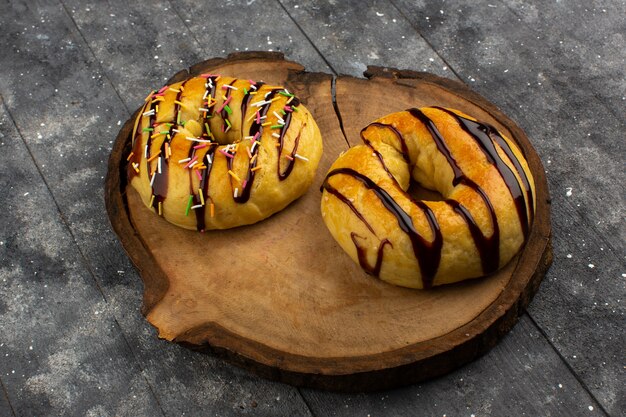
130 156
189 201
153 157
201 195
160 208
224 104
301 157
198 139
226 154
193 161
235 176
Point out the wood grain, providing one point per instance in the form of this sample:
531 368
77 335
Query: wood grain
296 310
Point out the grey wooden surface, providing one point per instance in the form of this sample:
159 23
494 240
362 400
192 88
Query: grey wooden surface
72 339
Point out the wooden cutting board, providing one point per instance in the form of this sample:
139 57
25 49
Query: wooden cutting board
281 298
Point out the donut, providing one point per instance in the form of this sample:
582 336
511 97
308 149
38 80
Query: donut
478 225
216 152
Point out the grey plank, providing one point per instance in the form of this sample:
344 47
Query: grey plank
78 114
245 25
353 35
521 376
61 348
537 82
598 55
138 46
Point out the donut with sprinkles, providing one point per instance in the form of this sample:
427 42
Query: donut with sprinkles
216 152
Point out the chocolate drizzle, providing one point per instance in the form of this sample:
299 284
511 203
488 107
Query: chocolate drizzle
483 134
362 255
224 113
281 143
405 149
245 101
210 96
488 247
204 186
428 254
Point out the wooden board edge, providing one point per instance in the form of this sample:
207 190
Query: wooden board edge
437 359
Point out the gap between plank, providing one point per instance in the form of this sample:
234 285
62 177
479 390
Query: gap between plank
333 84
431 46
567 365
306 403
6 394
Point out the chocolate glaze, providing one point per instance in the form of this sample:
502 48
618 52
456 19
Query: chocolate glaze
428 254
208 115
255 127
224 113
483 134
204 186
405 149
362 255
246 101
281 142
326 186
488 247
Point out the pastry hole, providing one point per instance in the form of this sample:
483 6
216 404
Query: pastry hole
417 192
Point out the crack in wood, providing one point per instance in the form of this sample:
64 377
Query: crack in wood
333 92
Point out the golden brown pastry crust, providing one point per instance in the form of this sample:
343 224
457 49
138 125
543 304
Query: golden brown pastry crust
216 152
480 225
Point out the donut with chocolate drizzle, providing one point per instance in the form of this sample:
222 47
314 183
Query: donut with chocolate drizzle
479 224
214 152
